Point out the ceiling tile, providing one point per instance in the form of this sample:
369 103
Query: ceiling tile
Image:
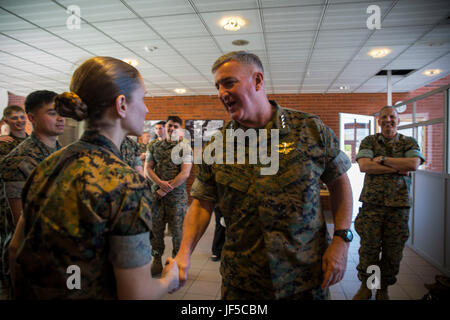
41 12
219 5
44 51
182 26
100 10
292 19
127 30
154 8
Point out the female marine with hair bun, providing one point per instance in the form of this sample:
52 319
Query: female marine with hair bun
84 208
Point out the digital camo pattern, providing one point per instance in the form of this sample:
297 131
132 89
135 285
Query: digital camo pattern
130 152
392 190
143 147
160 153
382 230
6 147
75 200
14 170
382 222
276 234
172 207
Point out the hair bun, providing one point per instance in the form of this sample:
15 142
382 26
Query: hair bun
69 104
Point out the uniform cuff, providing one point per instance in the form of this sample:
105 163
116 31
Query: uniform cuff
364 153
202 191
128 252
337 167
415 154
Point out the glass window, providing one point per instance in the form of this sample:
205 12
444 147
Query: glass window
430 108
406 115
431 142
407 132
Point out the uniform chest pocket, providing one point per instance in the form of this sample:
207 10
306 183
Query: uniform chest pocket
232 180
289 176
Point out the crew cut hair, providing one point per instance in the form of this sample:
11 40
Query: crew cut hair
241 56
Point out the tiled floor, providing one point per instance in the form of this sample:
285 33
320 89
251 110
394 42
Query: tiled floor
415 272
204 279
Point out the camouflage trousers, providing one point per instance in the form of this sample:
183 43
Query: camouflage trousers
171 209
383 230
231 293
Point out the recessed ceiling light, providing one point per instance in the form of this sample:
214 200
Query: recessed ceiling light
133 62
180 90
432 72
379 53
232 23
344 87
240 42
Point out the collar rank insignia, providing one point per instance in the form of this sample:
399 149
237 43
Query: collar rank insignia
285 147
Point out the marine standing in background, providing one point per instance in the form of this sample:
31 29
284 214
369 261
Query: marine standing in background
18 164
160 131
15 117
131 154
387 158
144 144
169 190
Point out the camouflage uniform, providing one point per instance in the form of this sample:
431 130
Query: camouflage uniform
382 222
83 206
143 147
149 145
130 152
172 207
150 182
14 170
276 234
6 147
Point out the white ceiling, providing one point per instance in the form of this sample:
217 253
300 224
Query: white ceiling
307 46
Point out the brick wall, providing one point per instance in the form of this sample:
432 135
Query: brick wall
326 106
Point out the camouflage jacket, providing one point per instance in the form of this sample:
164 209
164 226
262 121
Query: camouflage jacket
391 190
143 147
160 153
83 206
14 171
276 233
18 164
6 147
130 152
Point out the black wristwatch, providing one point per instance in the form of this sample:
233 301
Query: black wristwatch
345 234
383 158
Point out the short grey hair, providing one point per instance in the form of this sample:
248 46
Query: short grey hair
240 56
388 107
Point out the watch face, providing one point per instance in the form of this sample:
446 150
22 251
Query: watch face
349 235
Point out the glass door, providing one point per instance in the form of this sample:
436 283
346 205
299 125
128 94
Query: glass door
353 129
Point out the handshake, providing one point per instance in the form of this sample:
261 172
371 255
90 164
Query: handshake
172 276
